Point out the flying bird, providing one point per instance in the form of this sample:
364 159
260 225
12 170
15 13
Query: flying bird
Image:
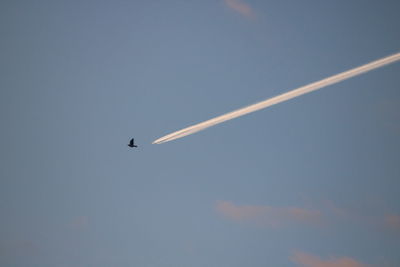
132 143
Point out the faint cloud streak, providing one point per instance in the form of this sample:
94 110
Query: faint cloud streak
268 215
240 7
308 260
392 221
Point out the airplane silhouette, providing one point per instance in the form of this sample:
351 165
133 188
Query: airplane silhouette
132 143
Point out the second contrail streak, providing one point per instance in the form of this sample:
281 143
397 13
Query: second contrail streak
280 98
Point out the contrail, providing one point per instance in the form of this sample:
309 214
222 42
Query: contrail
280 98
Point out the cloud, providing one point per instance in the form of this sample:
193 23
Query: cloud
240 7
268 215
392 221
325 215
308 260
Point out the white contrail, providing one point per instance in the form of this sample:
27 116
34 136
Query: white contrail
280 98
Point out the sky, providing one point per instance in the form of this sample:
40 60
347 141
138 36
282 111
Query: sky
311 182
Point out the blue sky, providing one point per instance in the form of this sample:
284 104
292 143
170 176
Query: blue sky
310 182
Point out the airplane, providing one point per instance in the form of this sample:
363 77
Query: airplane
132 143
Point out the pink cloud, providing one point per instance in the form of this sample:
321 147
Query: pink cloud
308 260
392 221
268 215
240 7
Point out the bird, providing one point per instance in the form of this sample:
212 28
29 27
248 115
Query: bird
132 143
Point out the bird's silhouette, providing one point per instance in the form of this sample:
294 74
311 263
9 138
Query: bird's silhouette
132 143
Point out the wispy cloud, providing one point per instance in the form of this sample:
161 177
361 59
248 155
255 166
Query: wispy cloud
370 218
308 260
326 215
268 215
240 7
392 221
